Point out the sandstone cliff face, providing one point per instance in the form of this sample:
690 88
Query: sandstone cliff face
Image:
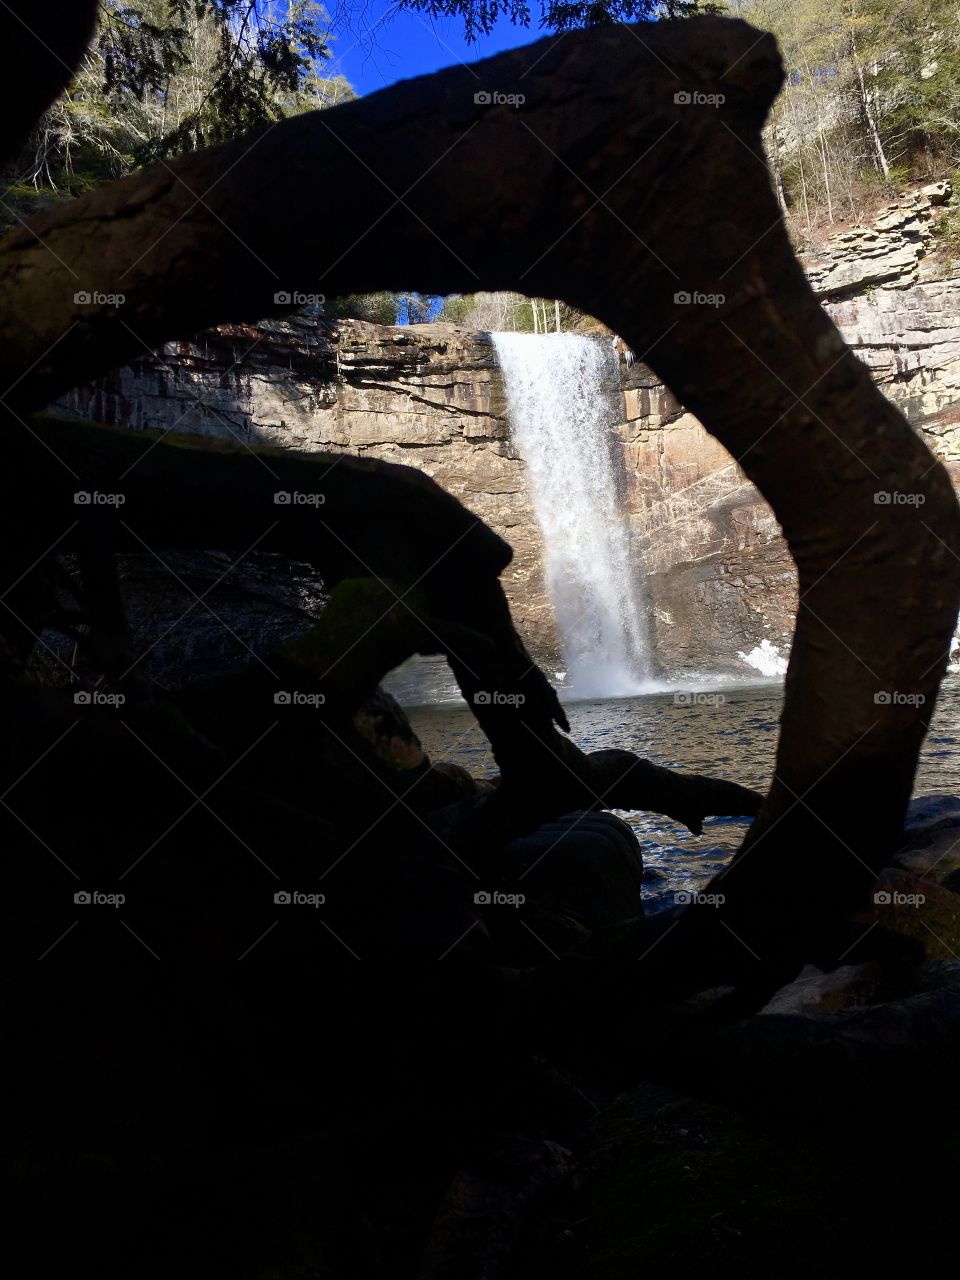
428 396
719 579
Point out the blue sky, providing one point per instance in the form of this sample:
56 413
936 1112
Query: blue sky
384 47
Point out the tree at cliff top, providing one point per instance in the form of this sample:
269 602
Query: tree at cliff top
514 313
871 102
480 16
166 76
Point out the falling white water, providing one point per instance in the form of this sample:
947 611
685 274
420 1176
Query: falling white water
561 413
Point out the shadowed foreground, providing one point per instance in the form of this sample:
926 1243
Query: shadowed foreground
275 1005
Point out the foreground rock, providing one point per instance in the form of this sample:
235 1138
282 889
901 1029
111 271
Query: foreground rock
931 846
785 1119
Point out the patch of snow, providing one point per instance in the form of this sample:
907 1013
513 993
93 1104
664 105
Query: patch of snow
765 658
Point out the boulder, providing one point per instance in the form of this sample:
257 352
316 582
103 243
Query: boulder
586 865
931 846
916 907
813 991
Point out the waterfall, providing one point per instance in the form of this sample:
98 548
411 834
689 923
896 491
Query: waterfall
561 413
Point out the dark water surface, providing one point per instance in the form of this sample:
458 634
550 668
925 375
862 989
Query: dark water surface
734 739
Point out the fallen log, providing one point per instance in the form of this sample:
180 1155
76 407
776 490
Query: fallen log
703 285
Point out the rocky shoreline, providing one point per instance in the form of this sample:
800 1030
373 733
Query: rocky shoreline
562 1114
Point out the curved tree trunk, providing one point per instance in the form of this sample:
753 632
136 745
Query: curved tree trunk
630 182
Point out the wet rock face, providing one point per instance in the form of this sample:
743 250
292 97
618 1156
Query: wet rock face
720 581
